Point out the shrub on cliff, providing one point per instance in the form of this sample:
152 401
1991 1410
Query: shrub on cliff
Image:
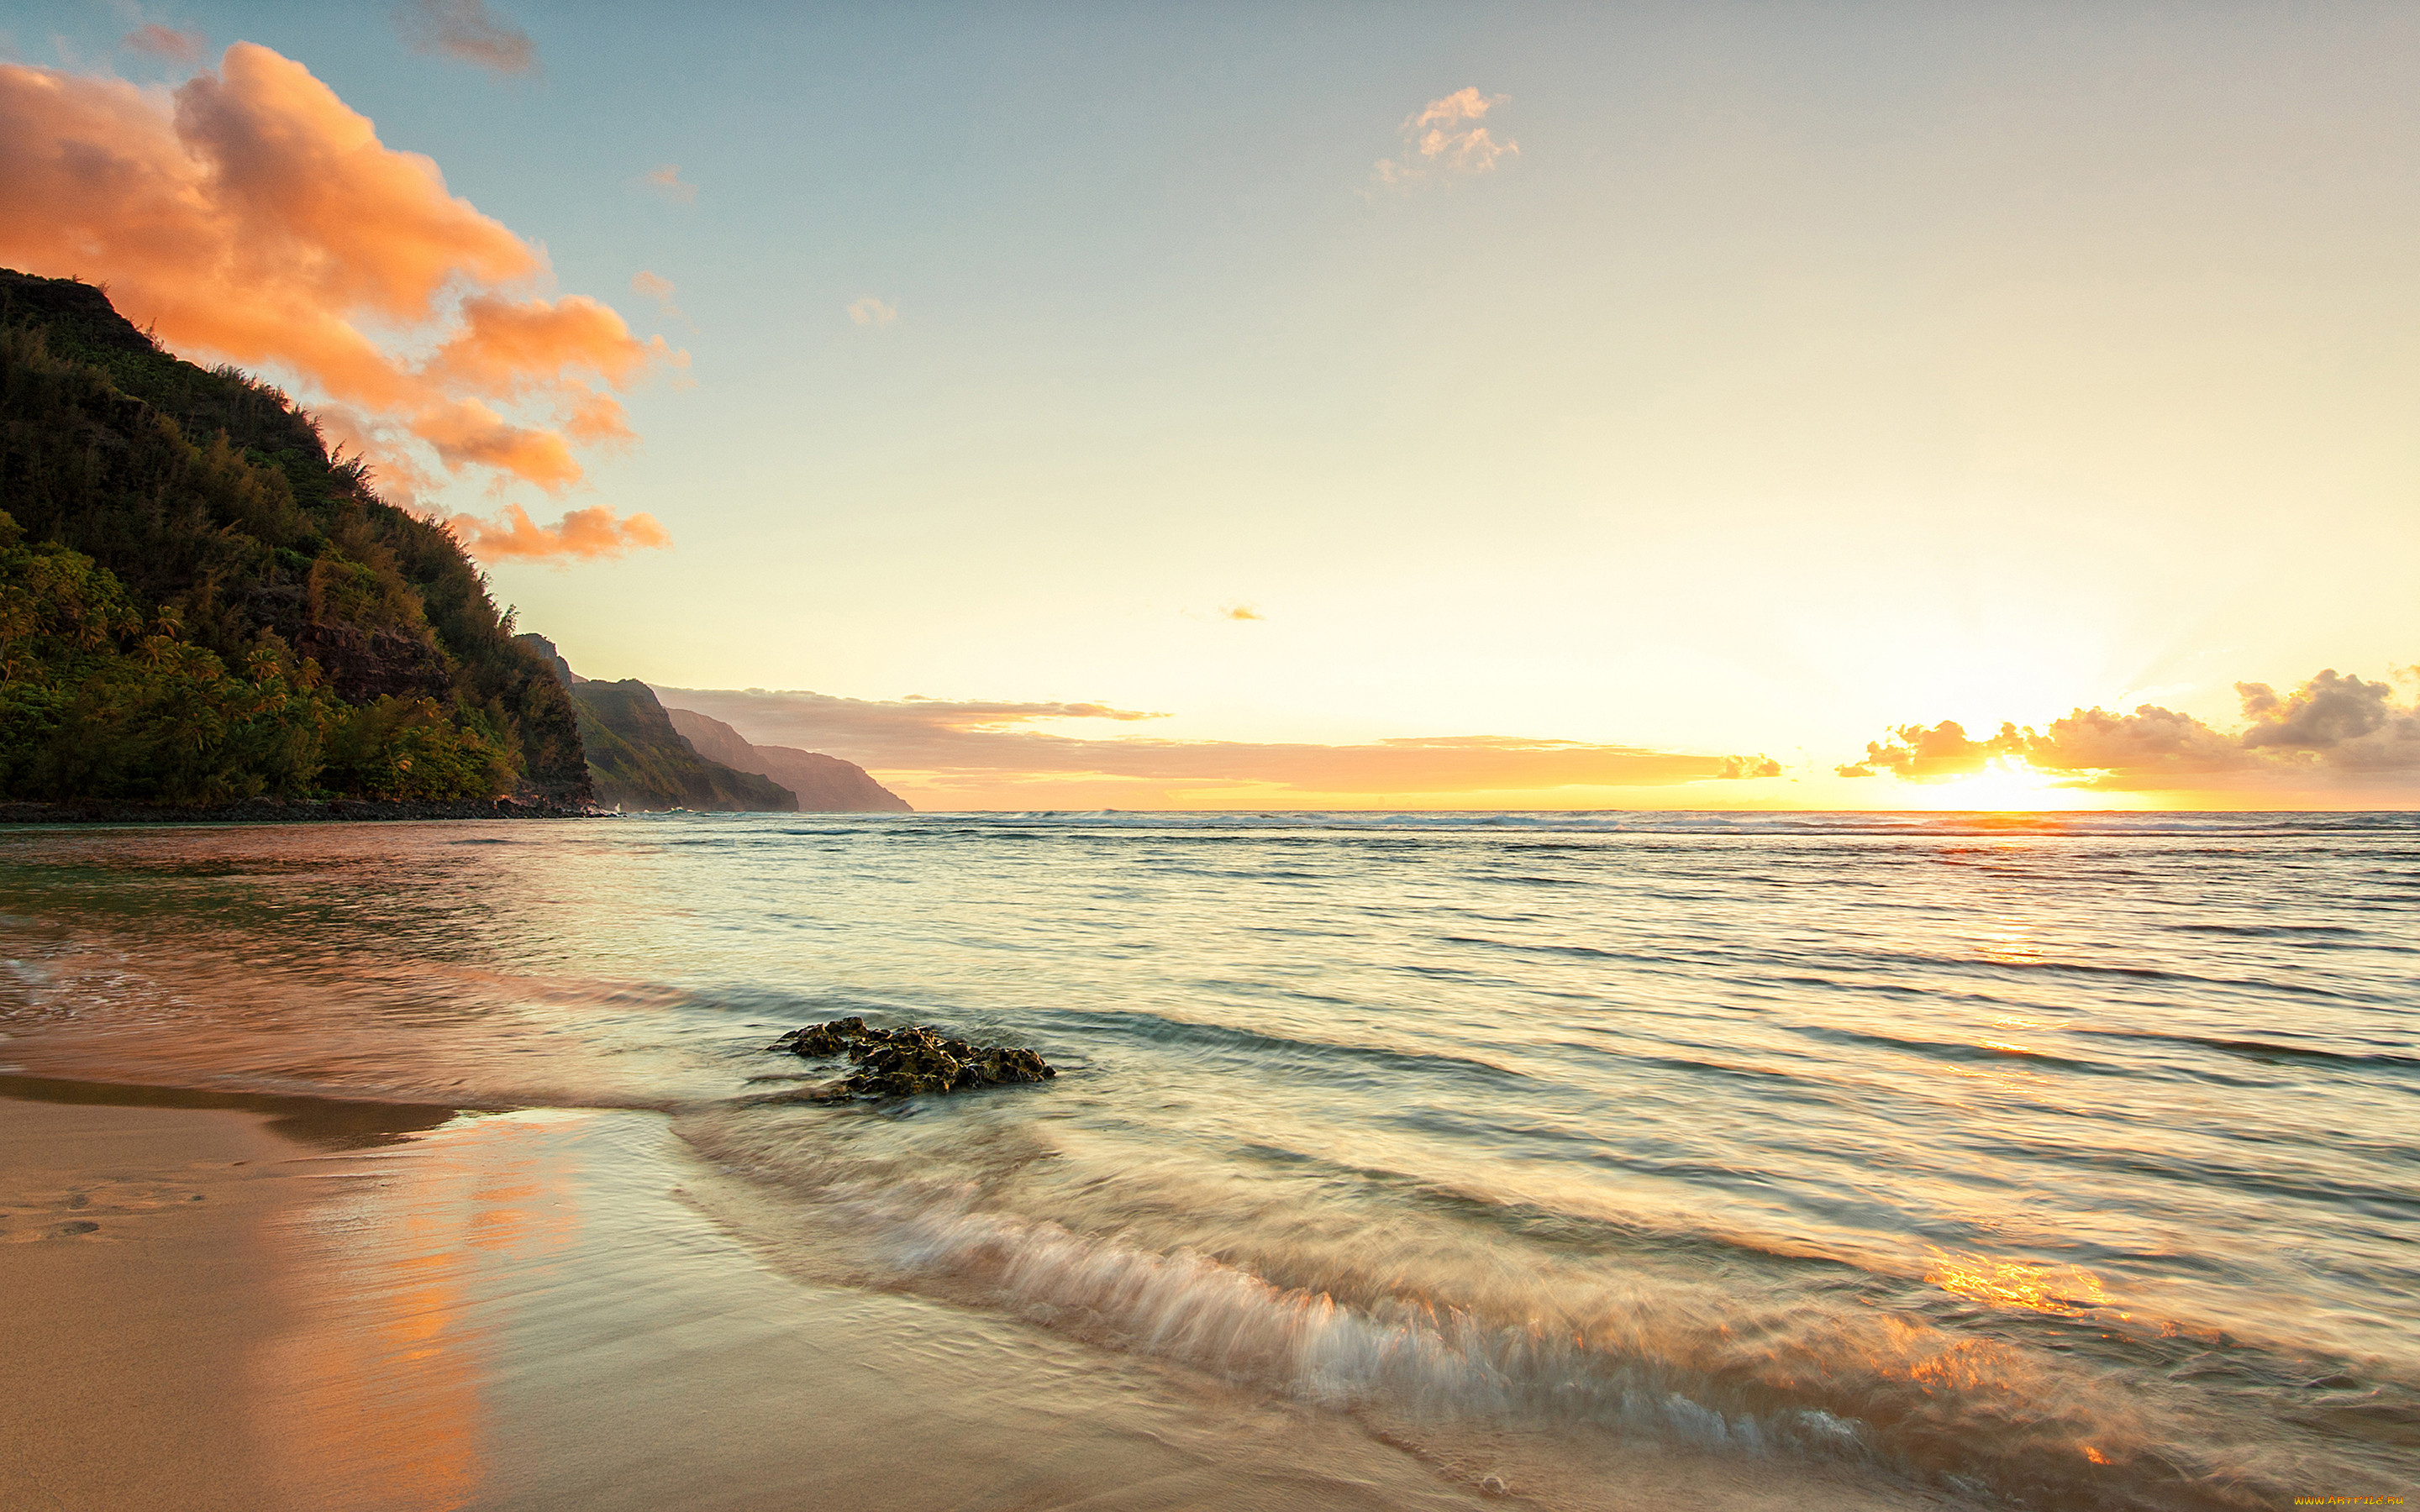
251 559
100 701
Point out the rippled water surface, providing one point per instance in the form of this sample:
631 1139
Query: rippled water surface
2065 1162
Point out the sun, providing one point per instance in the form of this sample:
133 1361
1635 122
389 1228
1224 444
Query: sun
2006 783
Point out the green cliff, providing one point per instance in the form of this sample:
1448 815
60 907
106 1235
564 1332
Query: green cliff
637 759
199 604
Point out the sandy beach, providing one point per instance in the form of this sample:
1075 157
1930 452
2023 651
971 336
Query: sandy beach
136 1253
259 1303
226 1308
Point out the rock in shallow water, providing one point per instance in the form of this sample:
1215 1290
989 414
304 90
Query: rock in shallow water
902 1062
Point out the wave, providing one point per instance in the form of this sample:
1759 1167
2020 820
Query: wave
1266 1051
1415 1356
2264 1049
1566 1345
2090 970
1958 1050
2263 931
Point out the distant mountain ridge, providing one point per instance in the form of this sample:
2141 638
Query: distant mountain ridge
641 755
824 785
637 759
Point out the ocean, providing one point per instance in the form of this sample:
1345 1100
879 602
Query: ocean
2036 1161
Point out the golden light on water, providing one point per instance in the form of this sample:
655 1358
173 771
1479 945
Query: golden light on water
2063 1291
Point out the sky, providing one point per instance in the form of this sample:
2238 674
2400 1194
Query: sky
1345 405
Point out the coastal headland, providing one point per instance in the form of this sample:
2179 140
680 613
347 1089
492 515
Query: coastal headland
209 615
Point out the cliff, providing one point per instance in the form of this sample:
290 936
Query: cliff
199 604
636 758
824 785
543 649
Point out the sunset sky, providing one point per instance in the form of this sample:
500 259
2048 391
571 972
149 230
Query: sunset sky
1464 405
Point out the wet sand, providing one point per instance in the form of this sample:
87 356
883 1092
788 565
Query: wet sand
131 1254
289 1303
208 1312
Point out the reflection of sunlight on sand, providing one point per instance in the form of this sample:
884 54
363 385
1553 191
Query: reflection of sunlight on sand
378 1389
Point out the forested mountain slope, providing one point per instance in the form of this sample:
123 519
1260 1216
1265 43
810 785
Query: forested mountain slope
198 604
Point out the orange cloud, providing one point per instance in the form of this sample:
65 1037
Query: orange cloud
985 754
866 310
2334 730
651 285
253 216
1442 139
598 419
586 533
508 348
468 32
1240 611
666 181
466 433
166 42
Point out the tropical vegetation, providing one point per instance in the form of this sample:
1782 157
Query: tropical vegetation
199 603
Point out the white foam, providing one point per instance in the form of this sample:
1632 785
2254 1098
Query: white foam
1408 1356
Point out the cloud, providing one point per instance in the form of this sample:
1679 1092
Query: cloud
468 32
2332 730
988 754
665 179
251 215
1443 139
466 433
868 311
2150 743
2349 722
184 48
515 349
1922 755
649 286
586 533
1239 611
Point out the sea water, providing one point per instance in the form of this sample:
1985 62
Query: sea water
2041 1161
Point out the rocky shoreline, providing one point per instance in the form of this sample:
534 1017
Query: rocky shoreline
274 812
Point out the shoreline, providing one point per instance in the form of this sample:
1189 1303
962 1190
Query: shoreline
293 1302
275 811
245 1303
